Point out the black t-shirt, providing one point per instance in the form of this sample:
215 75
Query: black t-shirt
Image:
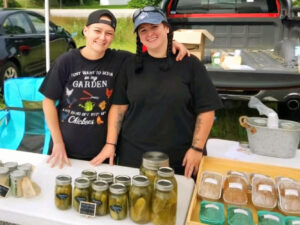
163 106
83 88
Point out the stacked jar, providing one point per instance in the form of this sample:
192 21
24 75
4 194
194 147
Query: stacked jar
106 176
152 161
168 174
140 200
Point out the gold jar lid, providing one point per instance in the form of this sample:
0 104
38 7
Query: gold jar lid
63 180
164 185
155 160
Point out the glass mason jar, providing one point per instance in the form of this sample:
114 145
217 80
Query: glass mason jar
117 201
164 203
99 195
106 176
63 192
81 192
4 176
27 168
16 182
168 174
152 161
140 200
123 179
90 174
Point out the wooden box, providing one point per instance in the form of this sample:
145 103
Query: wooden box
222 166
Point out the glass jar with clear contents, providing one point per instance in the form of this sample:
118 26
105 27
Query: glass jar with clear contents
81 192
99 195
4 176
140 200
152 161
63 192
16 182
168 174
26 167
117 201
164 203
106 176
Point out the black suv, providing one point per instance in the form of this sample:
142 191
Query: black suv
22 44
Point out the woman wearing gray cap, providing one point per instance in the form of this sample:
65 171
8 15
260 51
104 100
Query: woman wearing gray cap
82 80
160 104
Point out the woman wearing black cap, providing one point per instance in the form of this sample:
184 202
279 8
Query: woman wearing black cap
160 104
82 80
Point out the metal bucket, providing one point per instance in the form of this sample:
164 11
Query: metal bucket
279 142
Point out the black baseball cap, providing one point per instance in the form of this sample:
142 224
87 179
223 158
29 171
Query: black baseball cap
95 16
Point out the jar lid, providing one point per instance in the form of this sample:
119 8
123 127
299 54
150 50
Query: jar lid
26 167
118 188
154 160
11 165
82 182
4 170
140 181
164 185
90 174
106 176
123 179
165 172
100 185
63 180
17 174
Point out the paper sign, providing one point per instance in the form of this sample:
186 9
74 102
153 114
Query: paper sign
3 191
87 209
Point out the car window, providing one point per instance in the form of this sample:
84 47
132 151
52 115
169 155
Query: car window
225 6
16 24
38 23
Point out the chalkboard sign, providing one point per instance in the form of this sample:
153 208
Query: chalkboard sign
87 208
3 191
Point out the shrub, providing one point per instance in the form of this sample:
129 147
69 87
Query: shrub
142 3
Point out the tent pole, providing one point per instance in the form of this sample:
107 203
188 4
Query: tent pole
47 39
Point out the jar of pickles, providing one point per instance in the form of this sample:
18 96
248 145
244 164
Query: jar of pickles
168 174
152 161
123 179
140 200
106 176
90 174
117 201
164 203
81 192
99 195
16 182
4 176
63 192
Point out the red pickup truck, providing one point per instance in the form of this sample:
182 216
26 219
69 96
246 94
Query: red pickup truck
266 31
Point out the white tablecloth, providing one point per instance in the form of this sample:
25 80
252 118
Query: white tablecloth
41 210
232 150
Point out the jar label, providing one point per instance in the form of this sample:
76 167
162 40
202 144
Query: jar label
62 196
80 198
236 185
98 203
264 187
292 192
211 180
271 217
116 208
241 211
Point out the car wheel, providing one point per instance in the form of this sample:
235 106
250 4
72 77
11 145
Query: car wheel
291 112
7 71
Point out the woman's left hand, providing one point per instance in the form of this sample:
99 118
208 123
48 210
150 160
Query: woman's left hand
191 162
182 50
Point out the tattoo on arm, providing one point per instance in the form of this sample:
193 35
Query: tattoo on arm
119 121
198 124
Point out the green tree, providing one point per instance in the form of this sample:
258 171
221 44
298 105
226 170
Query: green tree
143 3
296 3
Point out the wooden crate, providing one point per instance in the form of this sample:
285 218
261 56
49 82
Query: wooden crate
222 166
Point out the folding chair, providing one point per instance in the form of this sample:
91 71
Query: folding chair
22 123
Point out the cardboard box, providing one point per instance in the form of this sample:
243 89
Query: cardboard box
194 40
222 166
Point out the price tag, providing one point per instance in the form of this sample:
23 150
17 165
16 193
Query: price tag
3 191
87 208
297 50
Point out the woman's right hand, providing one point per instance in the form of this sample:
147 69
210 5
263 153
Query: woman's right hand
107 152
58 156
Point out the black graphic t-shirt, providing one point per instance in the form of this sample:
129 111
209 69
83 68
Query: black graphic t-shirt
163 106
83 88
